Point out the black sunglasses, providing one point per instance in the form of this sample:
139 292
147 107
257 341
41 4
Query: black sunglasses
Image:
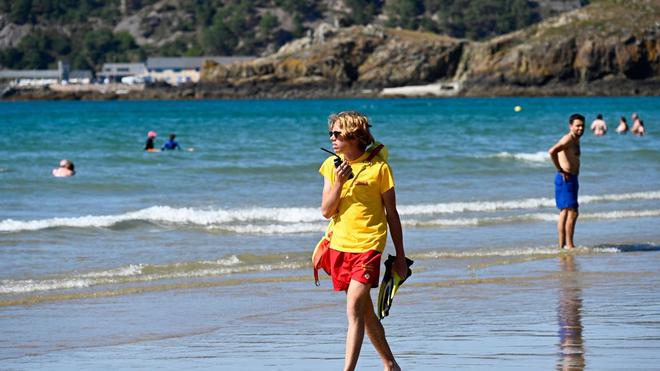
335 133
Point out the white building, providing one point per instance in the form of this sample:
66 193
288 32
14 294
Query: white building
116 72
47 77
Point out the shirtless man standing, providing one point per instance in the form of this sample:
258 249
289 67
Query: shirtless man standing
565 154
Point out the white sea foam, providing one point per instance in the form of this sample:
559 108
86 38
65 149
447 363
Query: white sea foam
527 203
308 219
650 195
232 260
623 214
144 273
475 206
540 217
512 252
538 157
466 222
130 270
26 286
165 214
274 228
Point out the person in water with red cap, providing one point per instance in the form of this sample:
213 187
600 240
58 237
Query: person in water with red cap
149 145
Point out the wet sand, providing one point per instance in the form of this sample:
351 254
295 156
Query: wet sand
565 311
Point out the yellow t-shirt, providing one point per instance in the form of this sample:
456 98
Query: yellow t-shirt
361 223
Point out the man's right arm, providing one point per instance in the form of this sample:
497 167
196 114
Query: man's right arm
331 198
332 190
554 155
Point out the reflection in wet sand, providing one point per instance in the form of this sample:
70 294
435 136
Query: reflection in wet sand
571 346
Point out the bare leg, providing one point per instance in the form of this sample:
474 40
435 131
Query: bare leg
376 334
561 228
356 303
570 227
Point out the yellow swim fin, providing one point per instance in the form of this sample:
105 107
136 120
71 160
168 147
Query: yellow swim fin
389 286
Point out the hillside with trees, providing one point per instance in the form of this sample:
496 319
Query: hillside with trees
595 50
34 34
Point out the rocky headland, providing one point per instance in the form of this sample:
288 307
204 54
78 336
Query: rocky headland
607 48
610 47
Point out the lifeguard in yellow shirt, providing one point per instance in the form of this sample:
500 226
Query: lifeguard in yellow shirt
362 207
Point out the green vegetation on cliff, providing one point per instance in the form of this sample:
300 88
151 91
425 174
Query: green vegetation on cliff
473 19
90 32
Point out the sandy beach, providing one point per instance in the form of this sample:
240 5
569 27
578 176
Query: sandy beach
594 309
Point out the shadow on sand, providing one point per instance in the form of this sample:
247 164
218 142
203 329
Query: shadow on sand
642 247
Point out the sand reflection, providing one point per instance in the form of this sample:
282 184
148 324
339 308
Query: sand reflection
569 310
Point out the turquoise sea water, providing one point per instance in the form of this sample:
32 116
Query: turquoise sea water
200 258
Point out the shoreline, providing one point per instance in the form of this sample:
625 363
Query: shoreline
533 314
623 88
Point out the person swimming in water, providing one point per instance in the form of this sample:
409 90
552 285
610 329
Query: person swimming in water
623 126
599 127
638 126
149 144
65 169
171 144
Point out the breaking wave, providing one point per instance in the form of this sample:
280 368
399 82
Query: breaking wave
538 157
143 273
538 217
308 219
528 203
515 252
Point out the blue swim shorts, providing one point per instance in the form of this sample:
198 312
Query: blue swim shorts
566 191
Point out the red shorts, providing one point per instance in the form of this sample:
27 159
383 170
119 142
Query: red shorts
346 266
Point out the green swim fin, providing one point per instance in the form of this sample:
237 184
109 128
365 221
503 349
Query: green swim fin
389 286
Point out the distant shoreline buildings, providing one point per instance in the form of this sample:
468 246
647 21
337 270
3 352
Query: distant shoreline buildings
173 71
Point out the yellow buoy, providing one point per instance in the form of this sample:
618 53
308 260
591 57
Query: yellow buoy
517 108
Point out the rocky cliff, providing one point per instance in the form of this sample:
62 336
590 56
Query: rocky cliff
346 61
607 48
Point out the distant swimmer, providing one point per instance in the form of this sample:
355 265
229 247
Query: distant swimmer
638 126
149 145
623 126
66 169
598 126
171 144
565 154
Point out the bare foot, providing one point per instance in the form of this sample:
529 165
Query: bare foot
392 367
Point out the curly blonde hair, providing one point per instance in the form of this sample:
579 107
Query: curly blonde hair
354 125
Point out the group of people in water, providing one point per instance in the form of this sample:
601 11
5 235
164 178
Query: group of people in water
599 127
66 167
170 145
